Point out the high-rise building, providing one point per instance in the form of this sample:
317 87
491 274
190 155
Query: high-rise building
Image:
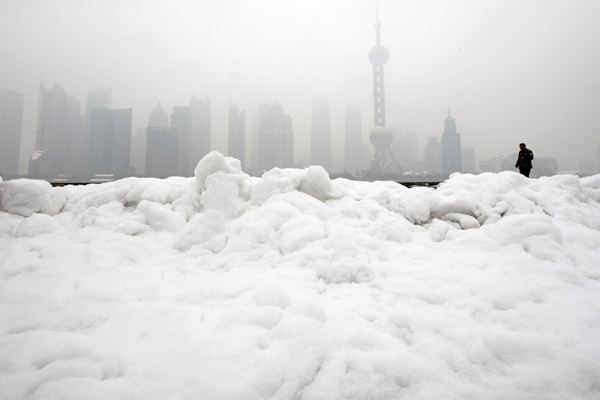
353 147
158 118
138 151
110 141
275 138
59 133
97 98
451 147
200 143
11 119
469 160
433 156
161 152
181 123
237 135
320 141
408 151
161 145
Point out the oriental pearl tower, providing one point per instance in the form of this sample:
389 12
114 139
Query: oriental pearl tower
381 137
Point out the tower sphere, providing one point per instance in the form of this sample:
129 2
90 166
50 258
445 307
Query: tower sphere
379 55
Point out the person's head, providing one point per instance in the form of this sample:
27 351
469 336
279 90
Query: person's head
522 146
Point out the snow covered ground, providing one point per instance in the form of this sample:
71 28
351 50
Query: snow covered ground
295 286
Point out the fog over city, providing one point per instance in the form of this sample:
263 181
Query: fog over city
509 71
299 199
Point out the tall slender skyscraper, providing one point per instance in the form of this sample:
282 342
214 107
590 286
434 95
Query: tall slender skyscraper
451 147
320 140
161 152
97 98
381 137
158 118
433 155
161 145
110 141
469 160
237 135
181 123
275 138
58 129
11 119
200 143
353 139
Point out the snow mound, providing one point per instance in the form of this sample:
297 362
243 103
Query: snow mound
297 286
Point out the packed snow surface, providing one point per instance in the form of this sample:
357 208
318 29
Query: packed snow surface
296 286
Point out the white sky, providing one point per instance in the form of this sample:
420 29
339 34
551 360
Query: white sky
511 71
291 286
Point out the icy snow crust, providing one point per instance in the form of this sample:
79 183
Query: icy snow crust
295 286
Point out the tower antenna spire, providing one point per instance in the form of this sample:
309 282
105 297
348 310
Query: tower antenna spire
381 137
377 26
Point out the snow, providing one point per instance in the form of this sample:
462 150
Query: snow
296 286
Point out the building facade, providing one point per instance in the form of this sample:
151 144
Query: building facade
58 133
110 142
353 145
451 147
158 117
275 138
161 152
11 120
469 160
320 139
433 156
236 144
200 139
181 123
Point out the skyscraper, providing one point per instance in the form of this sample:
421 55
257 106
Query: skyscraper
237 135
138 151
451 147
320 142
200 143
275 138
97 98
408 151
353 147
161 145
433 156
58 131
110 141
11 119
161 152
181 123
469 160
158 118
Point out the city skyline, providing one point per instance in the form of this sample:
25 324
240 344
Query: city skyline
530 79
99 100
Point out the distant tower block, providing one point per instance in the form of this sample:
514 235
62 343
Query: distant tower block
381 137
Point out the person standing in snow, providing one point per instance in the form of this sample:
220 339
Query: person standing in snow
524 160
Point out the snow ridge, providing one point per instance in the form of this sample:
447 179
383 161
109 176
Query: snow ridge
296 286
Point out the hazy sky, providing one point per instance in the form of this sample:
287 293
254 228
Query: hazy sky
510 70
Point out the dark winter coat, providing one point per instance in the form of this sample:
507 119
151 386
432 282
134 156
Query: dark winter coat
524 160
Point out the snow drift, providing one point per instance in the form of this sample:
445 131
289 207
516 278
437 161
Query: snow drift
296 286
